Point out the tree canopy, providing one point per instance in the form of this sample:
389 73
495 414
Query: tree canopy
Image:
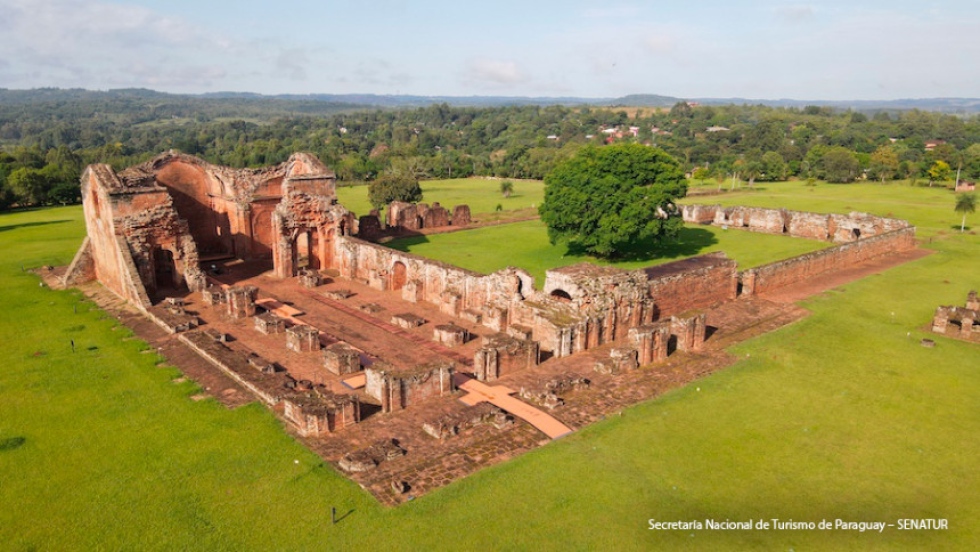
394 187
605 198
965 204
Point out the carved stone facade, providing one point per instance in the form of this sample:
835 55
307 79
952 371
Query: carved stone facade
151 225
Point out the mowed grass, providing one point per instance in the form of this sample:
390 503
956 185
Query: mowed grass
841 415
481 194
525 245
930 209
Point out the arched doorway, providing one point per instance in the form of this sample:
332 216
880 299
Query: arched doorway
399 275
164 269
561 295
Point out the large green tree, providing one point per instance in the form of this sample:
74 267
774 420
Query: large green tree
394 187
839 165
604 199
884 163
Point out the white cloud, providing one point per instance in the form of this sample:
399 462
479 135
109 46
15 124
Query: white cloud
795 14
494 72
103 44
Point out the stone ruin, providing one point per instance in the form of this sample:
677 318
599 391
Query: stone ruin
303 338
552 394
404 217
269 324
241 301
502 354
827 227
399 388
372 456
452 424
150 226
311 409
341 359
317 411
961 322
450 335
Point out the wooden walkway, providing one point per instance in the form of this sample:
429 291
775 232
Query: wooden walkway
499 396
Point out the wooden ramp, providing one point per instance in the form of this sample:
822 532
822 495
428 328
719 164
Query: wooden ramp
499 396
280 309
356 382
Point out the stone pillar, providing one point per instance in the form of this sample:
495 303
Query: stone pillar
241 301
973 301
690 331
461 215
495 318
341 360
486 364
650 342
302 338
412 291
747 280
623 358
450 335
661 342
966 325
940 320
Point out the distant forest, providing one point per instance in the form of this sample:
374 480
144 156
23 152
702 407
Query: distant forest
48 136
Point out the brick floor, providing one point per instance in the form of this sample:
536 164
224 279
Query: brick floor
431 463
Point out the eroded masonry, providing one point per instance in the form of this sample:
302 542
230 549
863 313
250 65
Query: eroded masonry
405 372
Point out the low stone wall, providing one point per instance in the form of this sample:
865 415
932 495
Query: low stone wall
766 278
819 226
695 283
451 288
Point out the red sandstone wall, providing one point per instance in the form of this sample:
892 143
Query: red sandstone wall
449 287
694 289
782 273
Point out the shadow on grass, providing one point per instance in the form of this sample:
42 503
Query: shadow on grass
29 224
956 227
690 242
406 243
12 443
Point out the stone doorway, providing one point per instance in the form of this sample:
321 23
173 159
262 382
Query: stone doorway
399 275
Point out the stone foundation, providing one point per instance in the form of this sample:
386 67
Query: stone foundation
502 354
450 335
341 359
303 338
399 388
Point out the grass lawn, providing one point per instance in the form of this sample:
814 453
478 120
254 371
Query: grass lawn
481 194
841 415
525 245
930 209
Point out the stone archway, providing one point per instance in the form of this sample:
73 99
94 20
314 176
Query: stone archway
399 275
561 295
164 268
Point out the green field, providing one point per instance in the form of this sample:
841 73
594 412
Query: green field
841 415
481 194
525 245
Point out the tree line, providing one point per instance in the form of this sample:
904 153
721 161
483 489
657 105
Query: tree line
44 145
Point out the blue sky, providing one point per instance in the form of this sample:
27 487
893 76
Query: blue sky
830 50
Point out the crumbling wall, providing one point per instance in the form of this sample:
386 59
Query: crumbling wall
319 412
773 276
451 288
695 283
502 354
399 388
836 228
